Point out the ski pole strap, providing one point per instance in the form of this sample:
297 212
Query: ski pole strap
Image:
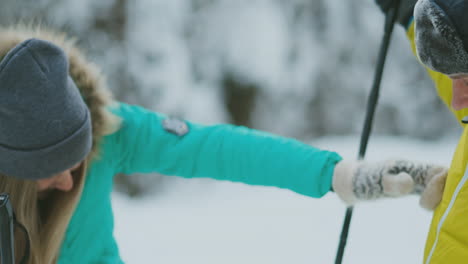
7 236
7 239
390 19
27 249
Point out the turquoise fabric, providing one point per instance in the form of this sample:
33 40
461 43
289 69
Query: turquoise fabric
222 152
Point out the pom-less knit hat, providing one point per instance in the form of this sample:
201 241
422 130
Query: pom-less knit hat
45 126
441 35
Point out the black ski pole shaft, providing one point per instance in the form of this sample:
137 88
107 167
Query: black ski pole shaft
390 19
374 94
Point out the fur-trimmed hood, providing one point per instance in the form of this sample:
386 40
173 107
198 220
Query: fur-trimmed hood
85 74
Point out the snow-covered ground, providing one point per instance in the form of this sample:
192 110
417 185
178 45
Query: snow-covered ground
209 222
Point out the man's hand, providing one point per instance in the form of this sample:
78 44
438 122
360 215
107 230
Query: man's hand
358 180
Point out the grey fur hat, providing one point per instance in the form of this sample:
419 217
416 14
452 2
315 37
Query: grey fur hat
441 35
45 124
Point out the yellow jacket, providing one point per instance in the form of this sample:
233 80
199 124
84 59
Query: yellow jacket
447 241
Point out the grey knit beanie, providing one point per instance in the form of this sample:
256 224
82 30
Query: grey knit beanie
45 124
441 35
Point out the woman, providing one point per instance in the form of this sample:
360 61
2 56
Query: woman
63 139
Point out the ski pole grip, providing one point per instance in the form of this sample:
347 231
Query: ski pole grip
7 241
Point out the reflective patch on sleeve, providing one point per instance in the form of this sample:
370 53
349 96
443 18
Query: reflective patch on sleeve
175 126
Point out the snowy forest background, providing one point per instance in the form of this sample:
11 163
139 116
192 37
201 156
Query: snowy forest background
298 68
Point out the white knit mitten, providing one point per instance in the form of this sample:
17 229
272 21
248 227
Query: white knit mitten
360 180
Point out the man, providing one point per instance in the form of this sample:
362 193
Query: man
438 31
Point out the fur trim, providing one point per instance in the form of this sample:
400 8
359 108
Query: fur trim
343 181
86 75
438 44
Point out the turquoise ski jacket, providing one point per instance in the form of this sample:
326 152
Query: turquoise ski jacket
222 152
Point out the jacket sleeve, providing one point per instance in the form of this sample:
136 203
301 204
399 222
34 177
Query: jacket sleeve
222 152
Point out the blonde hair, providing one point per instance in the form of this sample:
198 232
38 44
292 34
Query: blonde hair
45 220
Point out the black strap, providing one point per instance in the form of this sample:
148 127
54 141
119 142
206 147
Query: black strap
27 250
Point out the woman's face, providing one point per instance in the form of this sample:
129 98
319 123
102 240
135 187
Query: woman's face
62 181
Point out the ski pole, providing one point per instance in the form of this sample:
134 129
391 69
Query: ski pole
390 19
